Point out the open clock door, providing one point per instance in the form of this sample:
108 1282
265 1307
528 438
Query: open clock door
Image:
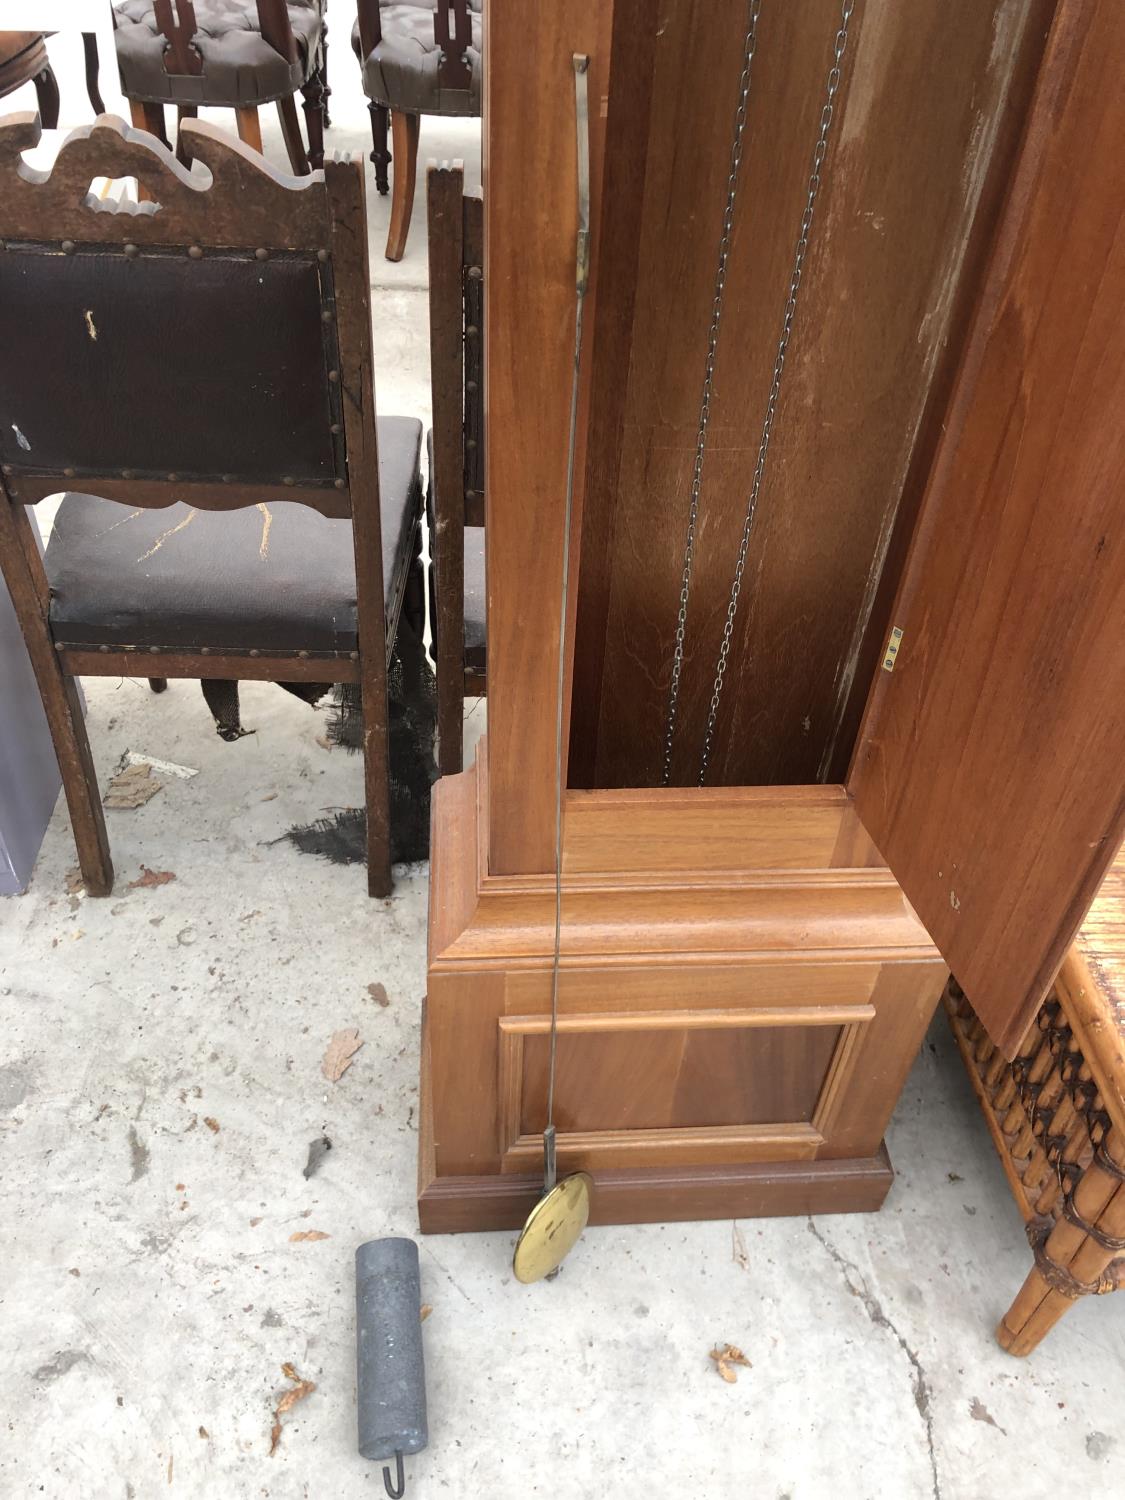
990 768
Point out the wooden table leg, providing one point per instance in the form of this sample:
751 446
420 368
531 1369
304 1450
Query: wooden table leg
404 134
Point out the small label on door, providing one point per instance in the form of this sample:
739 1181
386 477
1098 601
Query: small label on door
892 650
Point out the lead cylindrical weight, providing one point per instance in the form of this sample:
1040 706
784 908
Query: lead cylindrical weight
391 1374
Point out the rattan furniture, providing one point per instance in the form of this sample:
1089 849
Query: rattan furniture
1057 1117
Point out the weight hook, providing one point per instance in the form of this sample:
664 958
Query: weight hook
399 1488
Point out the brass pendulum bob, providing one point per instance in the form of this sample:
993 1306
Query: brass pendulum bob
555 1223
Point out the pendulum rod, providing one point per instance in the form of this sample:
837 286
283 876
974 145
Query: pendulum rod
819 153
555 1223
753 7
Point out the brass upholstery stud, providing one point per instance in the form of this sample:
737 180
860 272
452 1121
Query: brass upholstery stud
205 650
7 469
59 646
126 473
333 376
172 478
304 655
103 649
196 252
475 273
255 653
261 253
326 315
287 479
131 251
470 385
340 484
354 655
67 247
69 473
335 429
156 650
471 331
322 256
228 478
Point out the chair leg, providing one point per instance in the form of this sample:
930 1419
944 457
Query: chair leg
380 155
61 704
47 94
249 127
404 132
93 67
158 684
314 95
148 116
184 112
377 780
291 130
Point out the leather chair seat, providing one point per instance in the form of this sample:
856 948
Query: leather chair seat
240 68
401 71
272 578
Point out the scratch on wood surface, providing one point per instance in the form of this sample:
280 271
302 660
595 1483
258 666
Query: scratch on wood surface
267 522
90 327
160 540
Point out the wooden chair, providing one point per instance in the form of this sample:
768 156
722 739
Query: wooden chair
23 59
1057 1118
455 498
418 58
235 54
215 344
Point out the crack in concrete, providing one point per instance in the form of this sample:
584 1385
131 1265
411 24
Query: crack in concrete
856 1283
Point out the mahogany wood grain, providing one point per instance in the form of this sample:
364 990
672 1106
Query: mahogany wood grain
990 772
249 127
530 200
404 139
911 150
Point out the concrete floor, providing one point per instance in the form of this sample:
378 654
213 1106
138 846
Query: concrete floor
160 1084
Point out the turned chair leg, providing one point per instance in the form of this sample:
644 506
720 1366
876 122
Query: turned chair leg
93 67
314 96
249 127
291 130
47 95
324 71
158 684
404 133
380 155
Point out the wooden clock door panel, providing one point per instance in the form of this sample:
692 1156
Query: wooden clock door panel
990 770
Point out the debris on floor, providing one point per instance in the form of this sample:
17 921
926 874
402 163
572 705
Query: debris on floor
149 878
132 787
341 1051
726 1358
288 1400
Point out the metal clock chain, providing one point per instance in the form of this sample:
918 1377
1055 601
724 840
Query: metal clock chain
753 7
819 152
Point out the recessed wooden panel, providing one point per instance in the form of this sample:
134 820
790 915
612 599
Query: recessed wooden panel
678 1079
991 773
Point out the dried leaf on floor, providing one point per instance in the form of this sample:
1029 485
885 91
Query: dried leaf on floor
132 787
75 885
341 1049
287 1400
324 742
318 1150
378 993
980 1413
308 1234
739 1253
427 1309
726 1357
151 878
212 1124
270 797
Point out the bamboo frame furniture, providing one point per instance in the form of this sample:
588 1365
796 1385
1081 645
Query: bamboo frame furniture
455 502
926 691
1056 1114
183 78
251 234
409 72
